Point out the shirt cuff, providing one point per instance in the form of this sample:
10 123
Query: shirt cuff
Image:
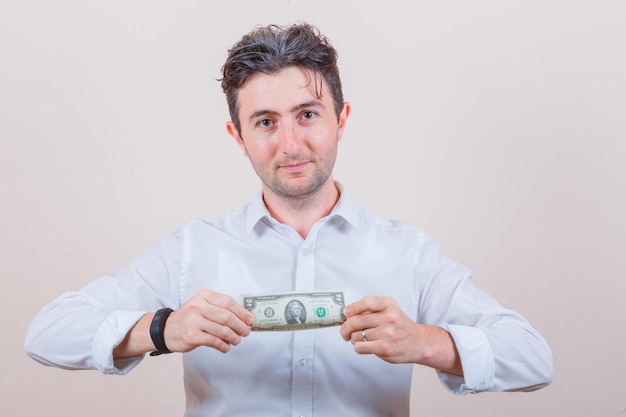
109 335
476 358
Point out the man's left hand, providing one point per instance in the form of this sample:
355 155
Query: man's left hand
377 325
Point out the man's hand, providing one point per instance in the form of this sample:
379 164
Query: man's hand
394 337
207 319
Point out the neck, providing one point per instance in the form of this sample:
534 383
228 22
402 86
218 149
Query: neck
301 213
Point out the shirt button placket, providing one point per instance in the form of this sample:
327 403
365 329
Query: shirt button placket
302 365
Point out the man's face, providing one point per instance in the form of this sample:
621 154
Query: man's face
289 135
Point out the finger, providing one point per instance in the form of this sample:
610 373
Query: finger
368 304
228 303
213 341
345 332
200 331
359 322
221 332
225 318
225 303
369 348
363 335
350 326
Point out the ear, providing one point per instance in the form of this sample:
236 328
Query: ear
234 133
343 119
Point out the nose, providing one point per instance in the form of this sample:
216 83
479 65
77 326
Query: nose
289 139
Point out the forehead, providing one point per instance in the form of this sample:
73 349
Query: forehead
280 91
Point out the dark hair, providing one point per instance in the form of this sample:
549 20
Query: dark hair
269 49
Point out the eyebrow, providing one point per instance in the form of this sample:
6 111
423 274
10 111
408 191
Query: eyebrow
295 109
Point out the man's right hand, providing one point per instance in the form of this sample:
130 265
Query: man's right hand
207 319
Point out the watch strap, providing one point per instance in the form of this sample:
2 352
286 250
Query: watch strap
156 331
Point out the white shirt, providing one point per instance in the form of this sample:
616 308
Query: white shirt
302 373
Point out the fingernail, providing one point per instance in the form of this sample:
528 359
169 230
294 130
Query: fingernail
346 311
249 320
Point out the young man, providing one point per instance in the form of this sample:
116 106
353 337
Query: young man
408 302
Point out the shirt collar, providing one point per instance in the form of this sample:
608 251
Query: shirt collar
345 208
256 211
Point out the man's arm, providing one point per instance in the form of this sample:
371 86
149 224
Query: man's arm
137 341
75 331
504 353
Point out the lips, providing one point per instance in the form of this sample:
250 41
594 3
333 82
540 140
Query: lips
294 166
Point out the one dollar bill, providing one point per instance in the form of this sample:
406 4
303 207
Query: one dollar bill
295 310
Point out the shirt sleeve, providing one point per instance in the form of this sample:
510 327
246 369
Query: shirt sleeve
476 360
498 348
80 329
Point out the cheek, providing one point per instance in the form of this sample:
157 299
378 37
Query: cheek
324 137
324 146
260 150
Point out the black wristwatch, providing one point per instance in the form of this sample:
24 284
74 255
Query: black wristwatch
156 331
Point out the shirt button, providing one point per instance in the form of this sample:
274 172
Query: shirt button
302 363
305 251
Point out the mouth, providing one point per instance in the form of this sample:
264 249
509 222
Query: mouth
294 167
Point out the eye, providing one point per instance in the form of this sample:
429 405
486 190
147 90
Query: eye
308 115
265 123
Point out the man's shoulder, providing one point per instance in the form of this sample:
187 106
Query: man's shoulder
227 220
381 224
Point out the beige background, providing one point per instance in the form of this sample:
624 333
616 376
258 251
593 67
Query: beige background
498 127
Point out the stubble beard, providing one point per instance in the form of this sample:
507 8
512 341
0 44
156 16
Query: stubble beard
296 189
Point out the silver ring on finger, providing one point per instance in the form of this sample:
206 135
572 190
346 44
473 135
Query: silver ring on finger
363 336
